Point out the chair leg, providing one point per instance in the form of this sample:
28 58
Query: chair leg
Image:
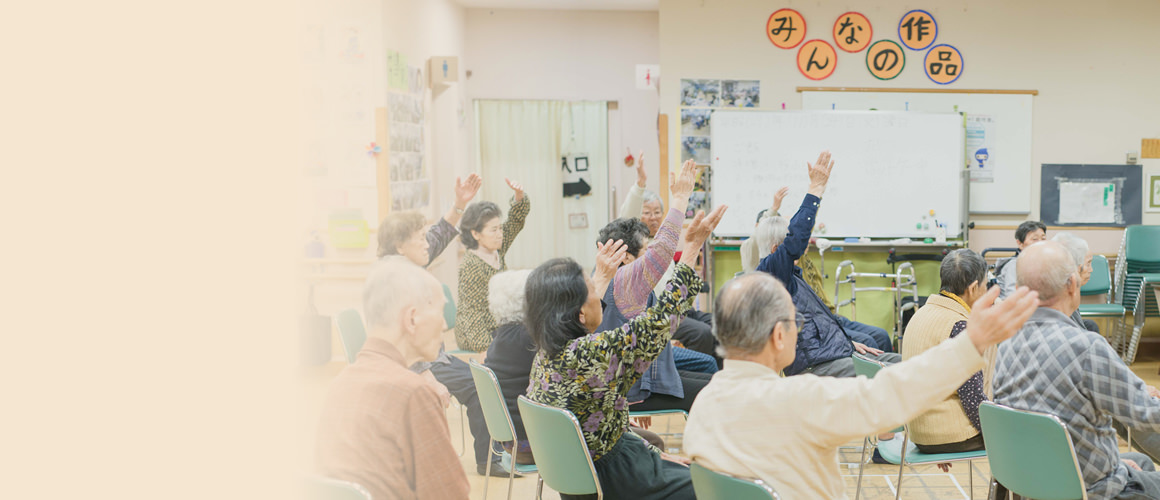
540 488
901 466
512 469
970 480
487 468
861 467
462 429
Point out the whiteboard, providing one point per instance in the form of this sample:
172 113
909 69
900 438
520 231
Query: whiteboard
1010 192
890 169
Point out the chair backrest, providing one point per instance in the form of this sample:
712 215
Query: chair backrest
1031 453
324 488
1101 280
867 367
709 485
449 307
561 455
1142 244
352 332
495 412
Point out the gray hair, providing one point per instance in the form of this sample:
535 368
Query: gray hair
959 269
649 196
505 296
394 283
746 311
1049 273
771 231
1076 246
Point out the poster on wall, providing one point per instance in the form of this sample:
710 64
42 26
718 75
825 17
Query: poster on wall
700 92
980 148
410 177
1153 187
699 98
740 93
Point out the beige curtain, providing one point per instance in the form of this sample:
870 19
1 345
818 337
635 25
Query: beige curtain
524 141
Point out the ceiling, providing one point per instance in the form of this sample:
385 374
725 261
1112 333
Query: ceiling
651 5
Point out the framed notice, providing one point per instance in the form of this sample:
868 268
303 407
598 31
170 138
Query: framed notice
1153 187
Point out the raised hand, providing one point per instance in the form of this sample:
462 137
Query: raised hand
681 185
777 199
609 256
990 324
820 173
699 231
641 176
466 190
517 187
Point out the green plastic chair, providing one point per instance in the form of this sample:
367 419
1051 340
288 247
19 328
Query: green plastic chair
1101 284
561 454
448 308
868 368
903 453
352 332
324 488
499 423
710 485
1031 453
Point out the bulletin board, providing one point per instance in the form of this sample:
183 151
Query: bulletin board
1091 195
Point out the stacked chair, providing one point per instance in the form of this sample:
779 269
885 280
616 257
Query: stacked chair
1137 272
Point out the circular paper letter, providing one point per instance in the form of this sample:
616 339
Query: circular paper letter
817 59
917 29
786 28
943 64
852 32
885 59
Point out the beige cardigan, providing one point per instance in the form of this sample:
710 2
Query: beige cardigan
931 325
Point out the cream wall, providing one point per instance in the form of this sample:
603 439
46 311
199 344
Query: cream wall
1093 66
572 56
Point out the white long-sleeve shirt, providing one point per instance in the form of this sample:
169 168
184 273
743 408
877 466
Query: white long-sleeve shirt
751 422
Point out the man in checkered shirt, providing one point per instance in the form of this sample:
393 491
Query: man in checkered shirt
1055 366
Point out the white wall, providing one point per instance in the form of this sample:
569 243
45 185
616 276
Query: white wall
572 56
339 89
1093 65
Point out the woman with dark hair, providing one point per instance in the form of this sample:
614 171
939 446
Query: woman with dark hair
590 374
487 243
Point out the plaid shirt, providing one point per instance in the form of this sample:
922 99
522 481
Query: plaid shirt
1054 366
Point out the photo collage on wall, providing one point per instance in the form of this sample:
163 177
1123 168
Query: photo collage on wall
699 98
410 175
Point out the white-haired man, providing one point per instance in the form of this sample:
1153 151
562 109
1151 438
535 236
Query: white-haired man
383 426
749 421
1078 248
1054 366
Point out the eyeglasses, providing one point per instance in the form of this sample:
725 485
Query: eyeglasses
798 320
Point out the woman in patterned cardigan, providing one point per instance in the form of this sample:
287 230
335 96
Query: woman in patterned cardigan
487 243
590 374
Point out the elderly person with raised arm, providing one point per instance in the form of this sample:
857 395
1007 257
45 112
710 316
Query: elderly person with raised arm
512 353
590 374
662 386
952 425
487 242
1055 366
825 346
383 426
752 422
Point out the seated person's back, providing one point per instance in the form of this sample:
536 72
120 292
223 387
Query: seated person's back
952 426
383 426
1054 366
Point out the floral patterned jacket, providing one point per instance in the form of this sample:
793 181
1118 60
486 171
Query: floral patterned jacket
592 375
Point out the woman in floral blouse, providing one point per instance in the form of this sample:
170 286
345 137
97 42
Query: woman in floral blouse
487 243
590 373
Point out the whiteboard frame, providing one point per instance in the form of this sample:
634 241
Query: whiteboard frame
960 227
1010 194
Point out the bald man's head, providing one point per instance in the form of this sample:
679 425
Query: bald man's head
746 311
1046 268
